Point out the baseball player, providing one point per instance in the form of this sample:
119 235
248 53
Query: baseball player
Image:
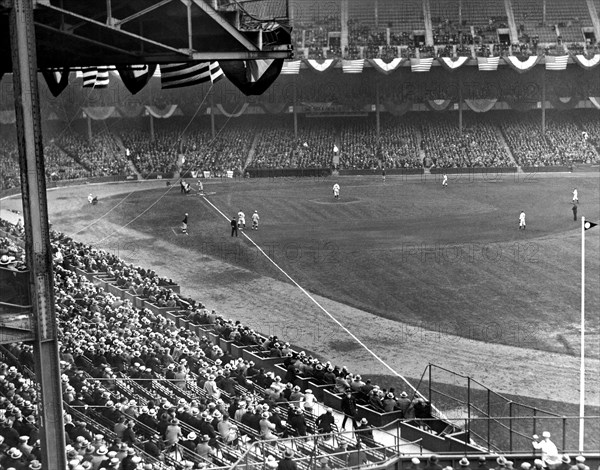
522 220
336 191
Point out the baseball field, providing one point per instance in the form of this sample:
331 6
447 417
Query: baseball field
387 279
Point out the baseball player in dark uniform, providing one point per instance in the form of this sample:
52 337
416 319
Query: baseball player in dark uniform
234 226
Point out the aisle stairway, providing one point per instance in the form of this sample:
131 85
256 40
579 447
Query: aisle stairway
507 148
123 149
252 151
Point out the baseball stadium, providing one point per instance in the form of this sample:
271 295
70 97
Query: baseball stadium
300 234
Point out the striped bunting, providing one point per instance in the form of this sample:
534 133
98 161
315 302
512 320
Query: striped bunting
452 64
321 66
587 63
291 67
135 77
57 79
353 66
386 67
487 64
421 65
522 66
95 77
556 62
189 74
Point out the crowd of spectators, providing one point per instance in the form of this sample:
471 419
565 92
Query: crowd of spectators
397 146
190 404
227 151
477 146
101 156
563 142
9 163
158 155
269 142
277 147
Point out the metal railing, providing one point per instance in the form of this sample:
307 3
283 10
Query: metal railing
497 423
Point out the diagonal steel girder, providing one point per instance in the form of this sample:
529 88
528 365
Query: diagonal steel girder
214 15
112 29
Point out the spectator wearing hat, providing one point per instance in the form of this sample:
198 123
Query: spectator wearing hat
35 465
10 435
267 428
190 442
130 461
271 463
287 463
203 449
389 403
24 447
432 463
482 463
129 436
349 408
464 464
154 446
99 456
297 422
549 452
206 428
415 464
325 422
365 432
173 433
500 463
81 430
15 459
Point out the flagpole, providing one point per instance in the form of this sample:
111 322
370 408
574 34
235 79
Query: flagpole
582 369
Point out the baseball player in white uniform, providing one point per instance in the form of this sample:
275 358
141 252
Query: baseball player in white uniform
241 220
255 219
336 191
522 221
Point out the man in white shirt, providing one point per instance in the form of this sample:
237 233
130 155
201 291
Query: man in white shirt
547 447
445 181
255 219
336 191
575 196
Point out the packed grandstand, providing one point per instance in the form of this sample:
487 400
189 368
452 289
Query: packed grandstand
419 140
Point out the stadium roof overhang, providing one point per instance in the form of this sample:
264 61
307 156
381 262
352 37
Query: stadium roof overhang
112 32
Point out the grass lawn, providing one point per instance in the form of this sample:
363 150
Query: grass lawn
451 261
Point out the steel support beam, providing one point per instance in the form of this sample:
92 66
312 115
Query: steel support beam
141 13
235 34
249 55
37 234
112 28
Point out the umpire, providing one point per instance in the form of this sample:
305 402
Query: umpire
234 228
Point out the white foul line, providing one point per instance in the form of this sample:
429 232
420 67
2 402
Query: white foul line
305 292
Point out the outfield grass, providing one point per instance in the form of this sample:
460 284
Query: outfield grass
451 261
